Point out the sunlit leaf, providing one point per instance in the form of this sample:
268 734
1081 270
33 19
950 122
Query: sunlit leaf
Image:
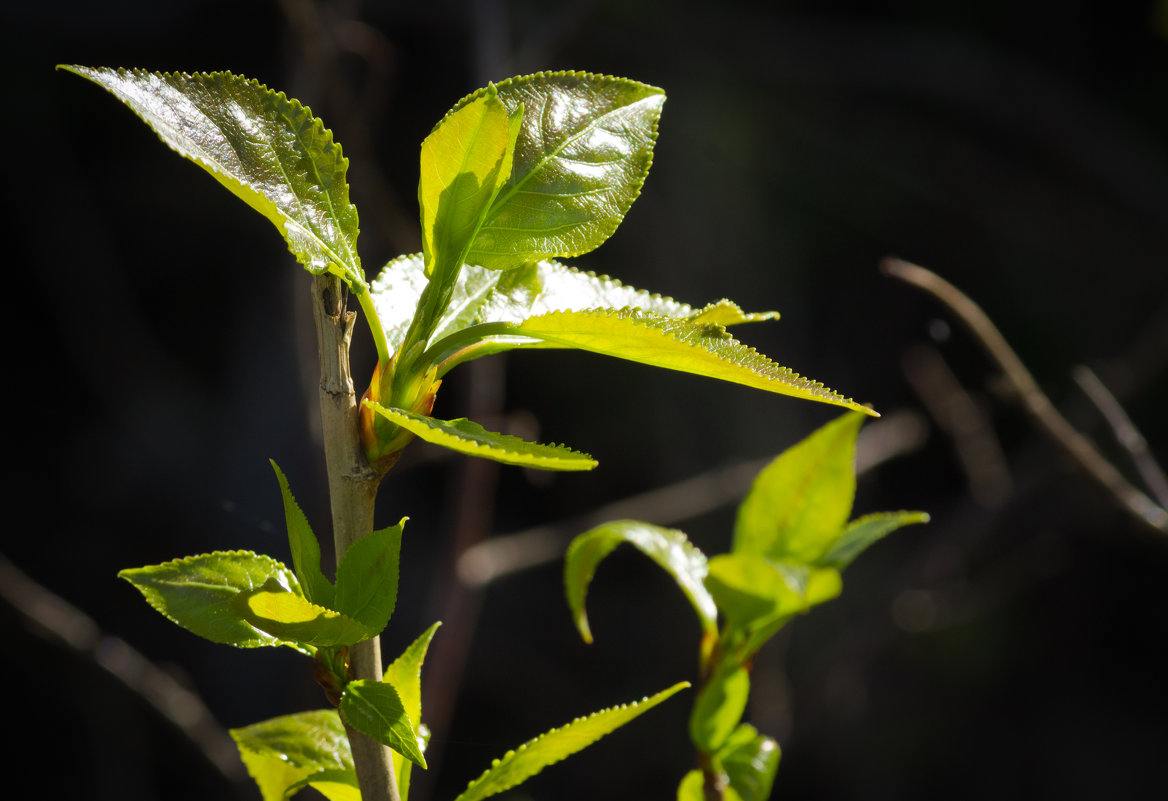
367 577
751 591
692 787
305 548
750 761
799 503
533 756
281 754
705 349
470 438
290 616
669 548
198 593
863 532
267 149
405 675
584 149
719 707
374 708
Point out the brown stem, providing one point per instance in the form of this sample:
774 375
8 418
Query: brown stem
352 491
1041 410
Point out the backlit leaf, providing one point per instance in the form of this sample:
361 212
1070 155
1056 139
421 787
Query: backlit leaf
675 344
367 577
405 674
669 548
719 707
470 438
750 761
533 756
864 531
199 592
799 503
290 616
282 753
751 591
305 548
267 149
583 151
374 708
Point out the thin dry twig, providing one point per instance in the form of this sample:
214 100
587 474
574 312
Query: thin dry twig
893 435
1037 404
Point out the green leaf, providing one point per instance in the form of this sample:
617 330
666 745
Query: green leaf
374 708
470 438
584 148
750 591
863 532
750 761
799 503
465 160
333 785
692 787
704 349
283 753
669 548
719 707
367 577
198 593
305 548
533 756
268 150
405 674
290 616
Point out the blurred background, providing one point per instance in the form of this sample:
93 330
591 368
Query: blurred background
163 352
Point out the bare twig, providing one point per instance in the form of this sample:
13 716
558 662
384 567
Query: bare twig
57 620
891 436
1037 404
1125 432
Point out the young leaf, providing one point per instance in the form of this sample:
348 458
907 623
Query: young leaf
405 674
465 161
519 765
669 548
750 761
288 752
305 548
751 591
374 708
692 787
584 149
198 593
863 532
719 707
800 502
367 577
268 150
470 438
290 616
704 349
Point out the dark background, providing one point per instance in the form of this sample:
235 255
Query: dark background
161 352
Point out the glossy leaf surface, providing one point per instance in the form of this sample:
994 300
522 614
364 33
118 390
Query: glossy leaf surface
268 150
305 547
669 548
705 349
284 753
583 151
199 592
292 617
750 761
533 756
799 503
405 675
470 438
863 532
719 707
374 708
367 577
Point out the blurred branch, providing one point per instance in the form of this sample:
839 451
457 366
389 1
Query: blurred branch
893 435
55 619
1125 432
1037 404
